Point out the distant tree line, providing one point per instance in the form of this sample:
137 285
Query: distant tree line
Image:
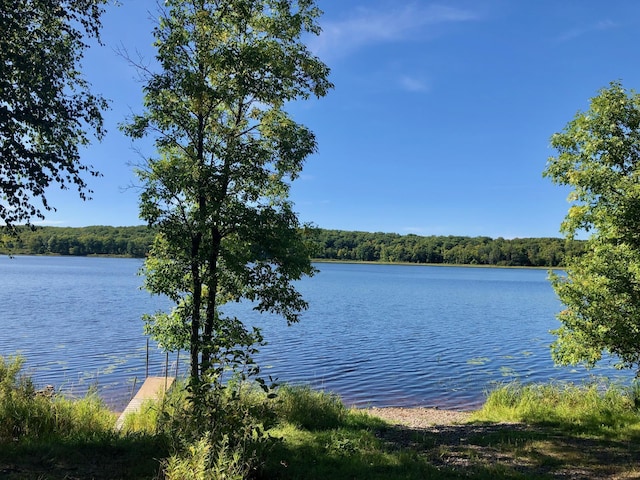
330 245
392 247
97 240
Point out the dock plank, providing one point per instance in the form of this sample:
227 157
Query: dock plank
152 388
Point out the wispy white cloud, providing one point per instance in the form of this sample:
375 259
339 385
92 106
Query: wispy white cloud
416 230
426 231
413 84
51 223
368 27
580 31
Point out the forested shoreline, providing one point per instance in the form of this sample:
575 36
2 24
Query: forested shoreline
81 241
337 245
454 250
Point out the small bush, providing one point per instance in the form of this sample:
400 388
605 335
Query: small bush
219 434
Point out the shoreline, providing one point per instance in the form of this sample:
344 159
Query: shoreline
313 260
415 264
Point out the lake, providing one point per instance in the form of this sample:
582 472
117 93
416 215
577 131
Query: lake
378 335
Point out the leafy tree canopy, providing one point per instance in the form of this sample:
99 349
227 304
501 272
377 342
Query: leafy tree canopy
598 154
46 107
227 150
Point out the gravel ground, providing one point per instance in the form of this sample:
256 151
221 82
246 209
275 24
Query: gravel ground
419 417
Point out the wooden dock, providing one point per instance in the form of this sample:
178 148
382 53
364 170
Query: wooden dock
152 388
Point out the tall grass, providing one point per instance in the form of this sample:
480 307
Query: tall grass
590 408
26 415
308 409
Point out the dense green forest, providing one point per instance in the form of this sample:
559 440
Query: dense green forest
392 247
97 240
330 245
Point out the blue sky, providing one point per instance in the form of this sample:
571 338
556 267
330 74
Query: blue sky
440 119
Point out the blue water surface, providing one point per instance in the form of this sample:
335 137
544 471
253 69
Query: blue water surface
378 335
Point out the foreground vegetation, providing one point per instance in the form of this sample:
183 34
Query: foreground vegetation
337 245
540 431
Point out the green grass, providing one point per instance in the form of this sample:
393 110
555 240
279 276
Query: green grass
309 409
522 432
537 431
349 451
597 409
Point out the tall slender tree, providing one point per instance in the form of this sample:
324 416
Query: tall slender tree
226 153
46 106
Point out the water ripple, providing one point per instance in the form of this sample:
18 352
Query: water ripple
378 335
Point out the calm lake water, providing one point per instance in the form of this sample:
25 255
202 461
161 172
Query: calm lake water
378 335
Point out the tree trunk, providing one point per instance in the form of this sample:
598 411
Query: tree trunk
197 302
211 298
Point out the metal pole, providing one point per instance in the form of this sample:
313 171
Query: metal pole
146 372
177 362
166 370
